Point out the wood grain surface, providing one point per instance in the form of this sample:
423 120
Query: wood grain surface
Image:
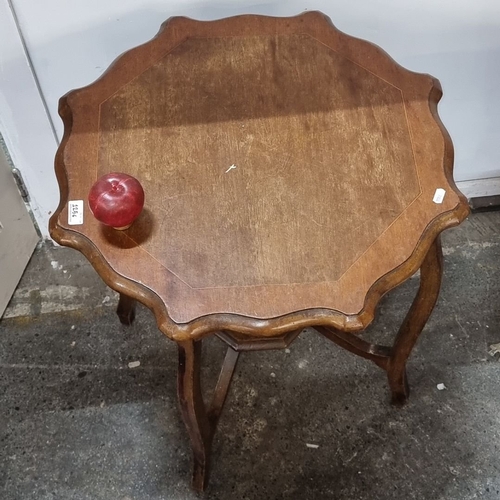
289 170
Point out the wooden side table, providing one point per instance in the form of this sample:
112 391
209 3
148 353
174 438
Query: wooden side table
293 175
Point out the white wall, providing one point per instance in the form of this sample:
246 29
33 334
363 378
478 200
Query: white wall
24 123
72 42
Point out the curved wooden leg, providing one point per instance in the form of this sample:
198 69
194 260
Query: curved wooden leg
126 310
193 409
430 281
200 423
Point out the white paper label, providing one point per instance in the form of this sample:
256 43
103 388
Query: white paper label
439 195
75 212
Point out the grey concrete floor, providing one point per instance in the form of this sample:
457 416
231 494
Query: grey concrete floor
77 423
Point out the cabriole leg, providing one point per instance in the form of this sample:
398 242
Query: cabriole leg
430 281
193 410
200 423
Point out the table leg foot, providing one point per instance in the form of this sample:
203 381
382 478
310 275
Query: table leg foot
200 474
430 282
126 310
400 390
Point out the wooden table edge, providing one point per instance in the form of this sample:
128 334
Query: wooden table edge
257 327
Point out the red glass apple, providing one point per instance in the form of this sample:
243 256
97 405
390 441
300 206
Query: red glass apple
116 200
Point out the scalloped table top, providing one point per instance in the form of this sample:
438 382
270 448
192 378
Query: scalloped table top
293 174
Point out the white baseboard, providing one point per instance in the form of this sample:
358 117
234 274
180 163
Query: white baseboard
480 187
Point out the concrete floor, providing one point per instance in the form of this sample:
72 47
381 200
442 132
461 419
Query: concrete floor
77 423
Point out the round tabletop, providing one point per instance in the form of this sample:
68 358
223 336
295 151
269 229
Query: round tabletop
292 174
